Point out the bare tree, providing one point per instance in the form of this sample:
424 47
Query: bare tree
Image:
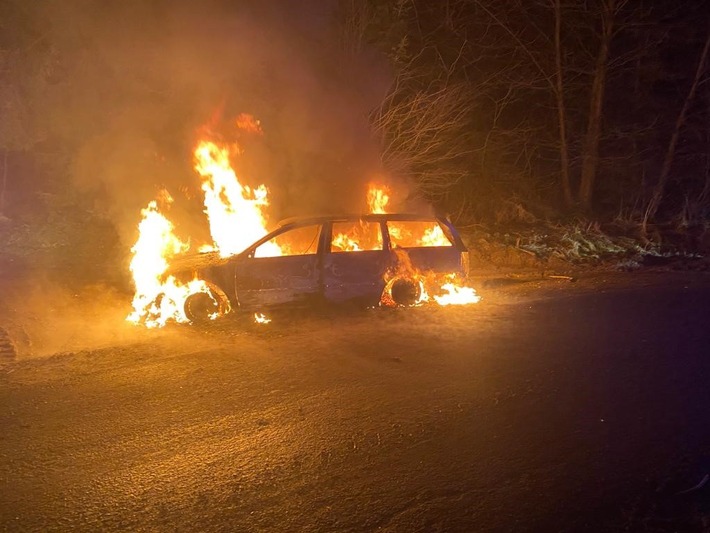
561 108
431 124
660 188
424 135
356 17
608 14
361 21
533 39
533 75
533 42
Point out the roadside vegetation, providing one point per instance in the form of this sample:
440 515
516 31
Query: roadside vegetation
573 132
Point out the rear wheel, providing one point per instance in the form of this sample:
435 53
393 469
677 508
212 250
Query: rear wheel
402 291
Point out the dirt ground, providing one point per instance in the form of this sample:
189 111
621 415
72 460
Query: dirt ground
553 405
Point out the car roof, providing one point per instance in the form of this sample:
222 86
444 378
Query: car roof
205 259
373 217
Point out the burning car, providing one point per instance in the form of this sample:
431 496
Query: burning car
378 258
371 259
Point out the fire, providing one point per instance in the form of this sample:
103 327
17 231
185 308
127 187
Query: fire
235 211
261 318
414 286
457 295
158 298
434 236
248 123
345 244
236 215
237 218
378 196
410 287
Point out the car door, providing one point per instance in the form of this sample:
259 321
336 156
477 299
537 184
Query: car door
283 269
430 246
354 261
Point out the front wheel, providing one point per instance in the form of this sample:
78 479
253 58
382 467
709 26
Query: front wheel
201 307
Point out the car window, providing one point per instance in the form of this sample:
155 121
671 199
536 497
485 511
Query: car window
417 233
297 241
356 236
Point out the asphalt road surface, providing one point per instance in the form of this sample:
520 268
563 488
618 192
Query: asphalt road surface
582 408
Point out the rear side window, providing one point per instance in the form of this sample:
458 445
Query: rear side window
416 233
356 236
297 241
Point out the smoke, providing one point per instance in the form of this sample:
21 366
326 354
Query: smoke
143 77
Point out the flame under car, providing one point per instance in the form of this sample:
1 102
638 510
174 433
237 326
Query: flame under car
329 259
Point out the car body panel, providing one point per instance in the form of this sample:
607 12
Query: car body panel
267 281
254 283
435 258
355 275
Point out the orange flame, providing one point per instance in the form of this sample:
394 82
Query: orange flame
345 244
434 236
236 218
157 298
378 196
446 290
247 122
261 318
457 295
235 211
236 215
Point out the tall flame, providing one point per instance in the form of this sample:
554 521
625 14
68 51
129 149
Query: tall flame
235 211
158 298
236 218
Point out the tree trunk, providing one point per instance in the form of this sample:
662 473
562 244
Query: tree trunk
590 153
659 191
705 194
4 184
561 111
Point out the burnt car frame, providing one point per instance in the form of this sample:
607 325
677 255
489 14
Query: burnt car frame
318 269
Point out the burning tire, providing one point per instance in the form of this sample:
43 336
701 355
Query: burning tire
201 307
405 292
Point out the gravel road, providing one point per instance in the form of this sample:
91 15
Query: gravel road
581 407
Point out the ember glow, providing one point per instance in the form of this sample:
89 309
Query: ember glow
248 123
261 318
